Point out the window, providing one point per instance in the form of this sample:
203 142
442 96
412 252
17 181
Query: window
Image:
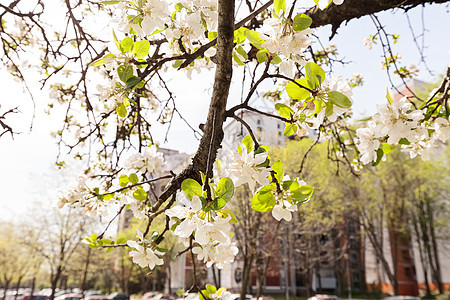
258 122
407 272
405 254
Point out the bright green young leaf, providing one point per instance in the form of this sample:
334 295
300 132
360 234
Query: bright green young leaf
227 212
277 167
387 148
102 60
301 22
388 96
239 35
264 200
290 129
275 60
93 237
134 178
290 185
126 45
241 52
211 289
284 111
315 75
125 72
116 41
121 110
254 38
121 240
140 194
279 4
302 194
248 143
339 99
212 35
237 59
108 197
123 180
191 187
262 55
141 48
109 2
296 92
225 189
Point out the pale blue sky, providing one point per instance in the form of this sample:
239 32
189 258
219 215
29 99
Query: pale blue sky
26 173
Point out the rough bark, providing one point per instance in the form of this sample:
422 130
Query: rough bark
352 9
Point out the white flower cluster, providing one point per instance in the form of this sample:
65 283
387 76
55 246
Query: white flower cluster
149 161
76 193
154 14
143 255
281 39
312 118
244 168
211 232
283 209
397 121
322 4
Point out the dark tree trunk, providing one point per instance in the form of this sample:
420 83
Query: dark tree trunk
437 264
18 286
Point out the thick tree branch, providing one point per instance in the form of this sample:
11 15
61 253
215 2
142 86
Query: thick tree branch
334 15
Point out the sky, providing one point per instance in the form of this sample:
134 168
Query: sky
27 172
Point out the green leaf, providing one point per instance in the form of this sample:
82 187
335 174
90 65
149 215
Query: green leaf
141 48
102 60
278 169
284 111
403 141
132 81
329 109
126 45
241 52
211 289
191 187
262 55
123 180
315 75
212 35
108 197
379 157
388 96
121 240
254 38
301 22
93 237
387 148
279 4
275 60
237 59
109 2
248 143
290 129
339 99
140 194
116 41
227 212
264 200
125 72
134 178
121 110
290 185
225 189
302 194
239 35
180 292
296 92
